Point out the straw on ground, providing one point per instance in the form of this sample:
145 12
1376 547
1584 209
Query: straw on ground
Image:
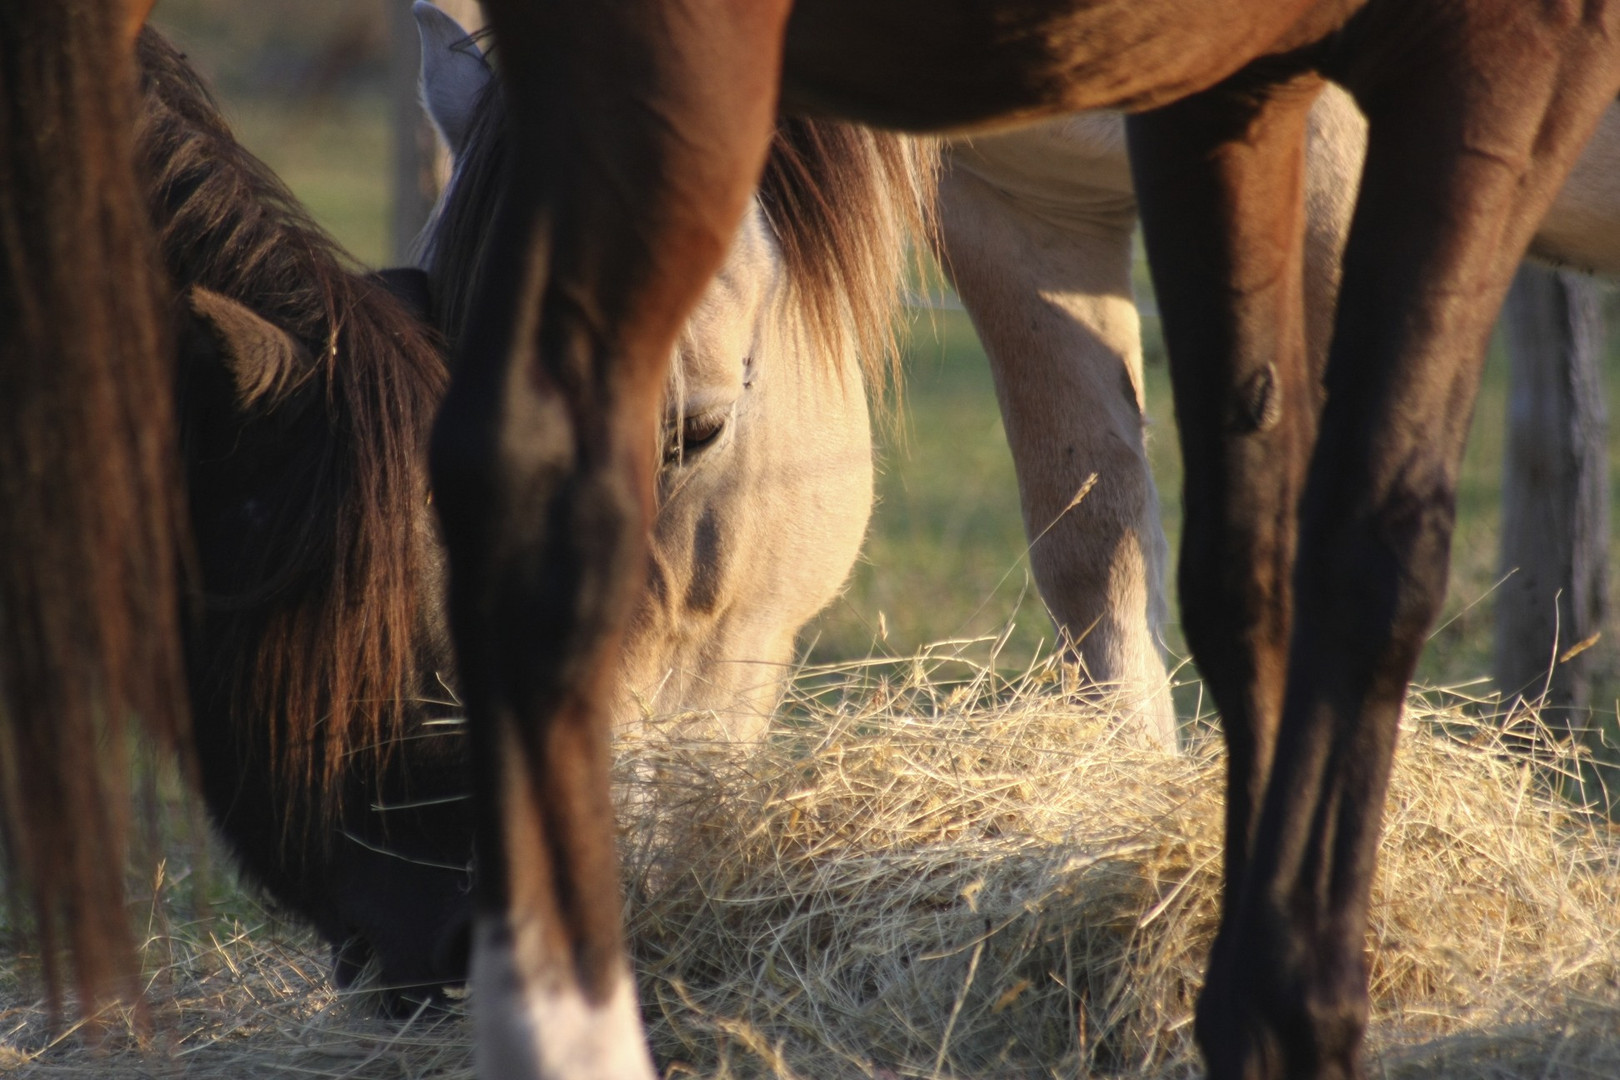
917 875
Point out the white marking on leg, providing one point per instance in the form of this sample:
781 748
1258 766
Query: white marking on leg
549 1032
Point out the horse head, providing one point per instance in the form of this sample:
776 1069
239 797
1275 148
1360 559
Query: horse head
378 856
327 742
764 483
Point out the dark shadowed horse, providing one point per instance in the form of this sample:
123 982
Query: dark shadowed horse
328 742
328 738
640 127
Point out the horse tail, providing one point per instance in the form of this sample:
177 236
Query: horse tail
90 506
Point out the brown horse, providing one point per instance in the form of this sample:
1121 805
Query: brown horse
1317 525
639 128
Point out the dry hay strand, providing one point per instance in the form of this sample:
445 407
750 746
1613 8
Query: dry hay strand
912 876
228 999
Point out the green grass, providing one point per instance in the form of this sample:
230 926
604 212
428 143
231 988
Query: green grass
334 154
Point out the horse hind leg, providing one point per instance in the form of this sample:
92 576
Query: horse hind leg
638 134
1051 299
1467 149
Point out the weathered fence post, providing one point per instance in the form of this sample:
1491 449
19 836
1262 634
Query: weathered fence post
418 166
1555 513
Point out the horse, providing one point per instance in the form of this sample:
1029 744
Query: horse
327 731
1318 515
1317 526
1035 234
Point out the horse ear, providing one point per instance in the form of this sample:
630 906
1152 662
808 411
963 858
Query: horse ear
264 361
408 285
454 74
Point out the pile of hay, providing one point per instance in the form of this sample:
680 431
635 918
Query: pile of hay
226 1000
914 880
913 877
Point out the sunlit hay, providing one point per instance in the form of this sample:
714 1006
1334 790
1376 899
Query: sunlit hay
917 875
229 999
914 878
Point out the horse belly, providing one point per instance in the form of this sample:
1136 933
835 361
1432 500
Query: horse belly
934 65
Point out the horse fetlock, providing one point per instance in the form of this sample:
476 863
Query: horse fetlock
533 1021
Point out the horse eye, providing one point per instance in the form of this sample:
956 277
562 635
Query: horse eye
697 433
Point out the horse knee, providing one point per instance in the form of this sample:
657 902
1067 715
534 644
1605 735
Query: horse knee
1374 579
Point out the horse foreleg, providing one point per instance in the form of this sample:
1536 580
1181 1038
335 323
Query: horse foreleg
1473 125
639 130
1220 181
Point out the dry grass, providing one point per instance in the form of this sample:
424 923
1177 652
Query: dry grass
915 877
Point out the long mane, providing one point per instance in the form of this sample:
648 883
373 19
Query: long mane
322 643
846 204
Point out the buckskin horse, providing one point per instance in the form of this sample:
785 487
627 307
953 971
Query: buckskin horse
1316 534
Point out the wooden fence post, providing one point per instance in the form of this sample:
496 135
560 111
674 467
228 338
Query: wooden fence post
1555 512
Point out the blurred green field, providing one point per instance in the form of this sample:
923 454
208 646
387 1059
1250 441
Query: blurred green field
945 558
303 84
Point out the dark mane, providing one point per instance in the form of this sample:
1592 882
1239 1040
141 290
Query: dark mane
331 661
845 203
